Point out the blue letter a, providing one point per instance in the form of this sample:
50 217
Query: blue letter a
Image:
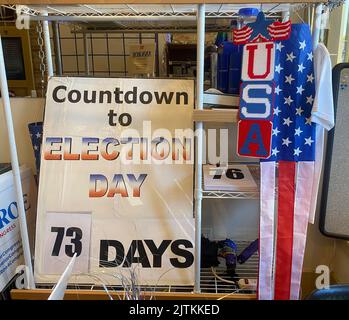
254 136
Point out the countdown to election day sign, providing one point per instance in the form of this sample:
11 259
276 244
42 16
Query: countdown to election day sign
11 251
116 181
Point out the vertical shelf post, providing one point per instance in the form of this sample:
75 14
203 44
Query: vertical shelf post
86 57
15 170
317 25
285 16
47 41
200 51
57 48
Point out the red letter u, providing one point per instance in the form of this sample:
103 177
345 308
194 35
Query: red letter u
251 60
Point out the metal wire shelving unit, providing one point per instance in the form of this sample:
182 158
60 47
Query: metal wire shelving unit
199 18
146 11
145 18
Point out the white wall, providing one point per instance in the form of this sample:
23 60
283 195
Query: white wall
24 111
337 33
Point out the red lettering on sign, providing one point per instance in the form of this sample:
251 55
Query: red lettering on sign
251 50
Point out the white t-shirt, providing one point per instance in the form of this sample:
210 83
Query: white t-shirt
322 114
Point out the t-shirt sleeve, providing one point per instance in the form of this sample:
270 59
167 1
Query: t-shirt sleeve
322 112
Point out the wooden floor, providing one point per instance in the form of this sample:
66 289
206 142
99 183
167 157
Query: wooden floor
308 285
43 294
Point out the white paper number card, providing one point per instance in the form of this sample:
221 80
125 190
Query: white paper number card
229 178
67 234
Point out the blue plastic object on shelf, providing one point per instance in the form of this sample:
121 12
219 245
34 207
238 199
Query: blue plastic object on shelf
220 38
229 67
234 74
247 15
247 12
230 58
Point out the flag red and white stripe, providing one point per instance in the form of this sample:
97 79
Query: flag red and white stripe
279 30
284 233
294 190
241 36
304 189
266 231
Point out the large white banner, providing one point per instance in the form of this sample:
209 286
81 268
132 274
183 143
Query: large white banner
116 181
11 251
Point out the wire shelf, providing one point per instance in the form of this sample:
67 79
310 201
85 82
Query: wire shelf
230 195
147 10
145 18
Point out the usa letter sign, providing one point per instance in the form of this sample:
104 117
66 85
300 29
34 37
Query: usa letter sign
256 100
116 182
257 88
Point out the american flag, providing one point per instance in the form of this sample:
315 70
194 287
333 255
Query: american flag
35 132
293 133
289 170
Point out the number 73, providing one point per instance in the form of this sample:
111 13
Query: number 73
70 249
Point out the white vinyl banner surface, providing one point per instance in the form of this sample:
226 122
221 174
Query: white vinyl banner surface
116 181
11 251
